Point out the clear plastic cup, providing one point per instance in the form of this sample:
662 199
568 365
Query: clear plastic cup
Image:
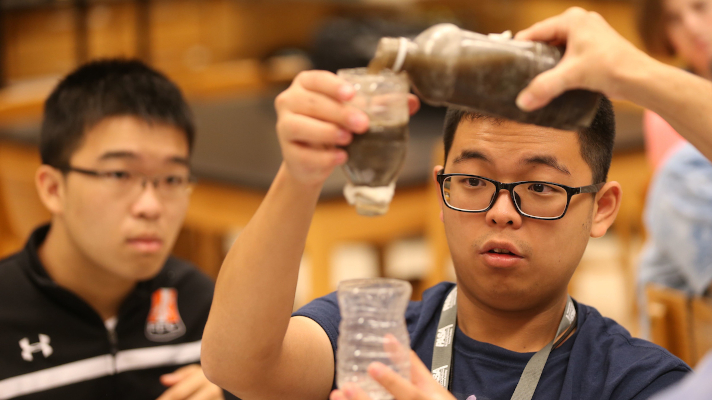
372 329
376 157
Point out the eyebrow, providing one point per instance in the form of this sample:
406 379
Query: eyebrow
471 155
128 155
549 161
179 160
117 154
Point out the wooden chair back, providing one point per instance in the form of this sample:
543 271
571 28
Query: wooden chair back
20 204
701 326
670 321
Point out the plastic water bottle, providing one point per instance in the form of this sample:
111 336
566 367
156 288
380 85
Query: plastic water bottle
372 318
485 73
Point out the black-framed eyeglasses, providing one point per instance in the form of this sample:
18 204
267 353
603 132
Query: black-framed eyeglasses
533 199
132 183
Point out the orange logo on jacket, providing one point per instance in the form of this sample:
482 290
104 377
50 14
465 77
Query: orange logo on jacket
164 322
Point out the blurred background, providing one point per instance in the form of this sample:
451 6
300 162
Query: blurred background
231 57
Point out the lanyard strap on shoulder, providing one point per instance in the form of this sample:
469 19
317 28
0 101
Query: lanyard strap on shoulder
442 351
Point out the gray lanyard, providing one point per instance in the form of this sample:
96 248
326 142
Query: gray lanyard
442 352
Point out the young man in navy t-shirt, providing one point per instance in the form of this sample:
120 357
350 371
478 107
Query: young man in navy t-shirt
514 248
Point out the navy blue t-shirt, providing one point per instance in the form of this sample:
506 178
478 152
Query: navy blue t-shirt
599 361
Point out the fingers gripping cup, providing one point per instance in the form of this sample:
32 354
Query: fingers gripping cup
376 157
372 328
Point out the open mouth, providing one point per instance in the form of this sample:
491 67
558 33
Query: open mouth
501 255
501 251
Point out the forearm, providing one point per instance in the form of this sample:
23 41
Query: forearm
684 100
254 293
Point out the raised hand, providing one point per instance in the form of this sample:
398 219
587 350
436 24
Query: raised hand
312 121
596 57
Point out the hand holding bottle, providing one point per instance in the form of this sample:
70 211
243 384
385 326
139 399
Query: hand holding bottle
596 58
421 386
313 120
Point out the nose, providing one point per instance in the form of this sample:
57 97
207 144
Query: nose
503 212
148 205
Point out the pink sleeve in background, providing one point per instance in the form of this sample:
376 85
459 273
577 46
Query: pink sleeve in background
660 139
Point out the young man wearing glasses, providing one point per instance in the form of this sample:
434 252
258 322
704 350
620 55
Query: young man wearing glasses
519 204
94 306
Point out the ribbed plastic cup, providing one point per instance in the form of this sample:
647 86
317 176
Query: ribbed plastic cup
376 156
372 318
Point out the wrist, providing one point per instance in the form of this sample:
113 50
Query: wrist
632 79
286 179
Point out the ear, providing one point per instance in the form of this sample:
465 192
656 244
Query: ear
437 170
605 209
50 187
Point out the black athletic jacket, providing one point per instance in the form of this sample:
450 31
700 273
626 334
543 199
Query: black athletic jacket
55 346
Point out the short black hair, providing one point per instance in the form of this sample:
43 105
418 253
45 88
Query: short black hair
108 88
596 140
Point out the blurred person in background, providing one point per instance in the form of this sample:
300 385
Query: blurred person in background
680 29
94 306
513 265
678 212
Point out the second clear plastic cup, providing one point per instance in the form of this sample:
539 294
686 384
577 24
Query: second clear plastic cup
376 157
372 329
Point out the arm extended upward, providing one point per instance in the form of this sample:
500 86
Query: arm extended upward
251 345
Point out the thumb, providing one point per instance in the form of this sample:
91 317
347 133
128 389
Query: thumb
547 86
420 375
177 375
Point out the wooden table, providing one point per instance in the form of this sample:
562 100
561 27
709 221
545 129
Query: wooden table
218 211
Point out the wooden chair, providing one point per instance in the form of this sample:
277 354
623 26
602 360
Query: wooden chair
8 242
435 231
218 210
631 170
20 205
670 321
701 326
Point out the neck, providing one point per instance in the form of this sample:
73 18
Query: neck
521 331
71 269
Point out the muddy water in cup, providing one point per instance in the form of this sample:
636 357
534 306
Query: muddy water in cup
376 156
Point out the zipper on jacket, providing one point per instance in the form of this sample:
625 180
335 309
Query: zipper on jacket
114 346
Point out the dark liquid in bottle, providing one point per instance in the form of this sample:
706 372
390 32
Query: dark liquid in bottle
489 80
376 157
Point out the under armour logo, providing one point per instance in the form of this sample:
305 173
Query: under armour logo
41 346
